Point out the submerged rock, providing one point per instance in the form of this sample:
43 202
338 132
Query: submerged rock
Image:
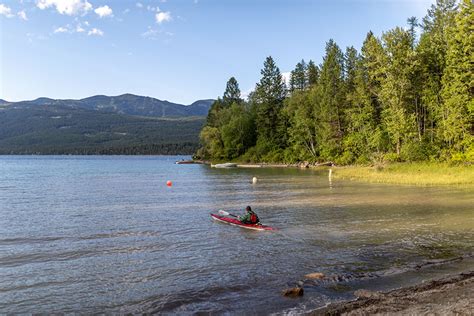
315 276
293 292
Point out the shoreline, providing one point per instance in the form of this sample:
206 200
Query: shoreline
453 294
420 174
407 173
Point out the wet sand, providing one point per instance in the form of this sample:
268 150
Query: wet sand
452 295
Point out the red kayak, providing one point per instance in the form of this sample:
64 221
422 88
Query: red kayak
235 222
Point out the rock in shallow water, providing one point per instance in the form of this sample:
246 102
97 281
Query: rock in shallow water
293 292
315 276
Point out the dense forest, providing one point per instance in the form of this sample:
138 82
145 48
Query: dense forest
403 97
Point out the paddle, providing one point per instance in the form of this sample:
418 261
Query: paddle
222 212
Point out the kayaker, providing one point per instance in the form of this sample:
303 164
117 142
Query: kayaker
250 217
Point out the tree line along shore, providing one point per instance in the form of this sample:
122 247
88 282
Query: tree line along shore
407 96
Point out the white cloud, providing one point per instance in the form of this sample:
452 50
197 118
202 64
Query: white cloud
22 15
151 33
67 7
61 29
163 17
154 34
80 29
139 5
6 11
285 76
126 11
103 11
32 37
95 32
153 9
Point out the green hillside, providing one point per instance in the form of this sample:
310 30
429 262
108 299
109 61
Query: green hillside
128 104
59 129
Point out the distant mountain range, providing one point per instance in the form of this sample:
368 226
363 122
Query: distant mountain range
125 124
128 104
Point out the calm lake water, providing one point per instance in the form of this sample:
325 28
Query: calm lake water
105 234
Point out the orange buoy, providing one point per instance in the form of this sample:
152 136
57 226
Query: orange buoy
169 183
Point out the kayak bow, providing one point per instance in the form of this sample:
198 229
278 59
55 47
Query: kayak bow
236 222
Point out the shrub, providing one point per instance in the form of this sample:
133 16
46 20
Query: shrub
457 158
391 157
413 151
291 155
363 160
274 156
470 154
346 159
251 155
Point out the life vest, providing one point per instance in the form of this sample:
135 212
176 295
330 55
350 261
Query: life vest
254 218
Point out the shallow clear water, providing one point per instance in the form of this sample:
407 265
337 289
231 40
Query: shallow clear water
105 234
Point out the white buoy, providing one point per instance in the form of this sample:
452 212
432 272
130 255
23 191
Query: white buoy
330 178
254 180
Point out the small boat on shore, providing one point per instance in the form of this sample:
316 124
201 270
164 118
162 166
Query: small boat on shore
184 162
189 162
225 165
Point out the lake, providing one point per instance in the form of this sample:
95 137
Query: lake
90 234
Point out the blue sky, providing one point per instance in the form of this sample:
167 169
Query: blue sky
178 50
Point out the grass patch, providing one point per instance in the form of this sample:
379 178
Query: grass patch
424 174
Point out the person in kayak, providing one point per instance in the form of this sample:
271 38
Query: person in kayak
250 217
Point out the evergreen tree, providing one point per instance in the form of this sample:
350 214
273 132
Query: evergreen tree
396 87
412 23
329 102
298 79
213 116
269 95
350 61
213 145
457 111
232 92
312 73
432 51
362 135
374 61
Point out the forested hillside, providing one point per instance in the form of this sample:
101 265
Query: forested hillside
402 97
60 129
128 104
